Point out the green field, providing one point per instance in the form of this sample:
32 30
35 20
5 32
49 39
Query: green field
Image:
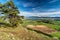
55 25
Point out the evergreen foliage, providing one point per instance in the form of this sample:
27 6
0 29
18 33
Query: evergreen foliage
10 13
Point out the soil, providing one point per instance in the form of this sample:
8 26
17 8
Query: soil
42 28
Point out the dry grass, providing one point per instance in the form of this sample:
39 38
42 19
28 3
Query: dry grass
20 33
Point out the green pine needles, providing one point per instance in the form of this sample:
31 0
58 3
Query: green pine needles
10 13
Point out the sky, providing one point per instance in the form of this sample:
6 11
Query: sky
39 8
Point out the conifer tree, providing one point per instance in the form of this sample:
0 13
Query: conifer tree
11 12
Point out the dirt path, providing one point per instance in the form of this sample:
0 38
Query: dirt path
42 28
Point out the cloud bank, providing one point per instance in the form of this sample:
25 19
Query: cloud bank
45 14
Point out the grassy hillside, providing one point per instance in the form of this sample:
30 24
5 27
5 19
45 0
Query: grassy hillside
55 25
22 33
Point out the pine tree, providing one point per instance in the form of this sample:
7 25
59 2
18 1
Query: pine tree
11 12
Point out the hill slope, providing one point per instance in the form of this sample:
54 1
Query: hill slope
21 33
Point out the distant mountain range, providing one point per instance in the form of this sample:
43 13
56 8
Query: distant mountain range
40 17
48 16
36 17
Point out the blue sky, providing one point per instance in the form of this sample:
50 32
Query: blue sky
40 8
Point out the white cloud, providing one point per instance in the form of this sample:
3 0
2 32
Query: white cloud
53 1
48 14
45 10
45 14
27 4
27 13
